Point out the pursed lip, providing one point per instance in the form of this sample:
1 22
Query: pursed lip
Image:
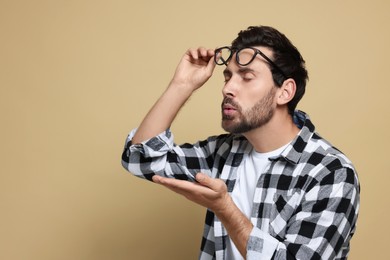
228 107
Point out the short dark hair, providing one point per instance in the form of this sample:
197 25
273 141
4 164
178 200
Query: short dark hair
285 55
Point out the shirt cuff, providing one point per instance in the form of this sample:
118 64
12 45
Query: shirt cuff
261 245
153 147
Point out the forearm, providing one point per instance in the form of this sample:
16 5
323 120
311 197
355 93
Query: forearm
194 69
162 114
237 225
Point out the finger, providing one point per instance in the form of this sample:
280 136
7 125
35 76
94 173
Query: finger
190 190
198 56
202 51
210 52
193 53
172 183
156 178
211 64
216 185
204 180
205 54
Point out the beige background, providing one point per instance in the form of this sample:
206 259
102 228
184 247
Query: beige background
76 76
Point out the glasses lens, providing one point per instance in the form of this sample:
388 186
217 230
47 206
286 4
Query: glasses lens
245 56
222 55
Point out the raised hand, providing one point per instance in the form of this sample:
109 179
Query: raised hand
195 68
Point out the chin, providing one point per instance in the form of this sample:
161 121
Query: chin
226 126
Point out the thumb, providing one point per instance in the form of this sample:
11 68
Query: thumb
202 178
211 65
205 180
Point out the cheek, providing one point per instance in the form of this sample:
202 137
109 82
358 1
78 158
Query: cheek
267 98
252 97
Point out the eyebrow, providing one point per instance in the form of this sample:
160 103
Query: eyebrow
241 70
245 69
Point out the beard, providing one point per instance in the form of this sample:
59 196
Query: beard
257 116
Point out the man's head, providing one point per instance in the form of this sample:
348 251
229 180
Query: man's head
289 62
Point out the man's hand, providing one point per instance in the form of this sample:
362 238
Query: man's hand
212 193
195 68
208 192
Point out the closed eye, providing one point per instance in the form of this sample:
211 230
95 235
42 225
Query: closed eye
247 73
248 76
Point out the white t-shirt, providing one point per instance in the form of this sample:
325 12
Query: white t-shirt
248 173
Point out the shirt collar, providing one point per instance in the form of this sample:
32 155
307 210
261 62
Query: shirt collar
293 151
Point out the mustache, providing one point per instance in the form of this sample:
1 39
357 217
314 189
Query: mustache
229 101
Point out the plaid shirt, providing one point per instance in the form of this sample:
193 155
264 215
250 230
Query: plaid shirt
305 205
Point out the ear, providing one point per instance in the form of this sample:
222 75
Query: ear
286 92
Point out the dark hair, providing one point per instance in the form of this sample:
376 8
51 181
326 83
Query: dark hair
285 55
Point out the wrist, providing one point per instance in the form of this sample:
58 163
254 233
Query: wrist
225 208
182 86
179 90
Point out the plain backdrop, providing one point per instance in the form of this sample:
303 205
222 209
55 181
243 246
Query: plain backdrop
76 76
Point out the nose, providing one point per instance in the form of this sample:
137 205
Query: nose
229 89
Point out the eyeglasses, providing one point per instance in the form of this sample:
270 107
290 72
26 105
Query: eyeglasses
244 56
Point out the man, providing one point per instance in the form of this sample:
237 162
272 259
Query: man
274 188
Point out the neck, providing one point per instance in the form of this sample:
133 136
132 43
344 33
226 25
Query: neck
279 131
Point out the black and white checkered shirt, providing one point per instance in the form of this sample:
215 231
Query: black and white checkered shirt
305 205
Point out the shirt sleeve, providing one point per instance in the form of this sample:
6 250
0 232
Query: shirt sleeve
321 227
160 155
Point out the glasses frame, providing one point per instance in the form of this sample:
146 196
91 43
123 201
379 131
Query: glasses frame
237 51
